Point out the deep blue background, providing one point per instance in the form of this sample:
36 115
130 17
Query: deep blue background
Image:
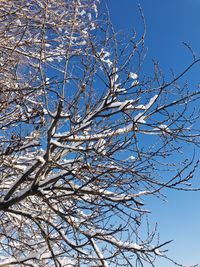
169 23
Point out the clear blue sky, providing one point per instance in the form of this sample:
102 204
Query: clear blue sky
169 23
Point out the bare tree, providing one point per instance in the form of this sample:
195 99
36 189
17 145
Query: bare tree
85 138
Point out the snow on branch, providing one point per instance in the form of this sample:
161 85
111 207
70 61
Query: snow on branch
86 138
